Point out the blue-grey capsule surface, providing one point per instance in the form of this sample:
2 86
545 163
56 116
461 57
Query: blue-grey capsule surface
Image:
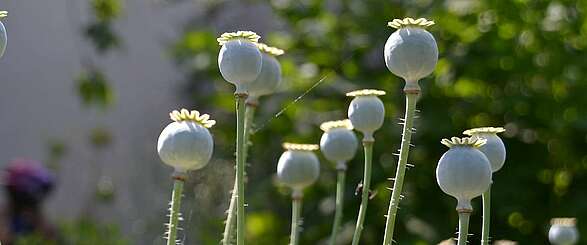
185 145
269 78
563 235
411 53
298 169
3 39
240 62
367 114
494 150
339 144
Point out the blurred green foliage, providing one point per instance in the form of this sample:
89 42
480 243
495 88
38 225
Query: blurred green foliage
519 64
80 232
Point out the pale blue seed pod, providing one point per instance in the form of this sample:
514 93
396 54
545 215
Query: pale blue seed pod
463 171
366 111
186 144
563 231
269 78
239 59
494 149
338 143
3 39
411 52
298 167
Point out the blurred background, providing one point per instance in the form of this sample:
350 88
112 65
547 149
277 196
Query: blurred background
86 87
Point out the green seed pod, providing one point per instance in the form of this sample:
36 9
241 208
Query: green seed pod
366 111
3 37
563 231
269 78
338 143
494 149
463 171
298 166
411 52
239 59
186 144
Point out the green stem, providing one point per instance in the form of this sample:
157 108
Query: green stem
368 146
463 227
296 212
486 216
231 216
401 167
175 210
340 180
240 168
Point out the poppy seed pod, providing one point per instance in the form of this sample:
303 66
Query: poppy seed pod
563 231
269 78
411 52
186 144
298 166
494 149
338 143
463 171
366 111
3 37
239 59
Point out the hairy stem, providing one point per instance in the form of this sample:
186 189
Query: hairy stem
463 227
296 212
240 168
174 210
486 216
231 216
401 167
340 180
368 146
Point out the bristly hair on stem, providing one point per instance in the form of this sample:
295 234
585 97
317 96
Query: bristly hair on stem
175 207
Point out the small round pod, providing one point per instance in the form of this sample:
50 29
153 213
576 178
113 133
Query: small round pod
366 112
269 78
505 242
450 241
463 171
338 142
298 167
411 52
239 59
3 37
563 231
494 149
186 144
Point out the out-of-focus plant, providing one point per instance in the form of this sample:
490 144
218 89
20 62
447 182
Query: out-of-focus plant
100 31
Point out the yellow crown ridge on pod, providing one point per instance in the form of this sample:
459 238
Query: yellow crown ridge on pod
195 116
300 147
505 242
3 14
465 141
410 22
346 123
484 130
270 50
365 92
564 221
247 35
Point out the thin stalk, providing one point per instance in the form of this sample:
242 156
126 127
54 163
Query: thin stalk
296 213
240 168
368 146
231 212
340 182
463 227
486 216
411 98
175 210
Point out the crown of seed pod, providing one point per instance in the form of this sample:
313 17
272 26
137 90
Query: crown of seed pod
463 171
298 166
269 78
411 52
494 149
563 231
338 143
239 59
366 111
186 144
3 37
